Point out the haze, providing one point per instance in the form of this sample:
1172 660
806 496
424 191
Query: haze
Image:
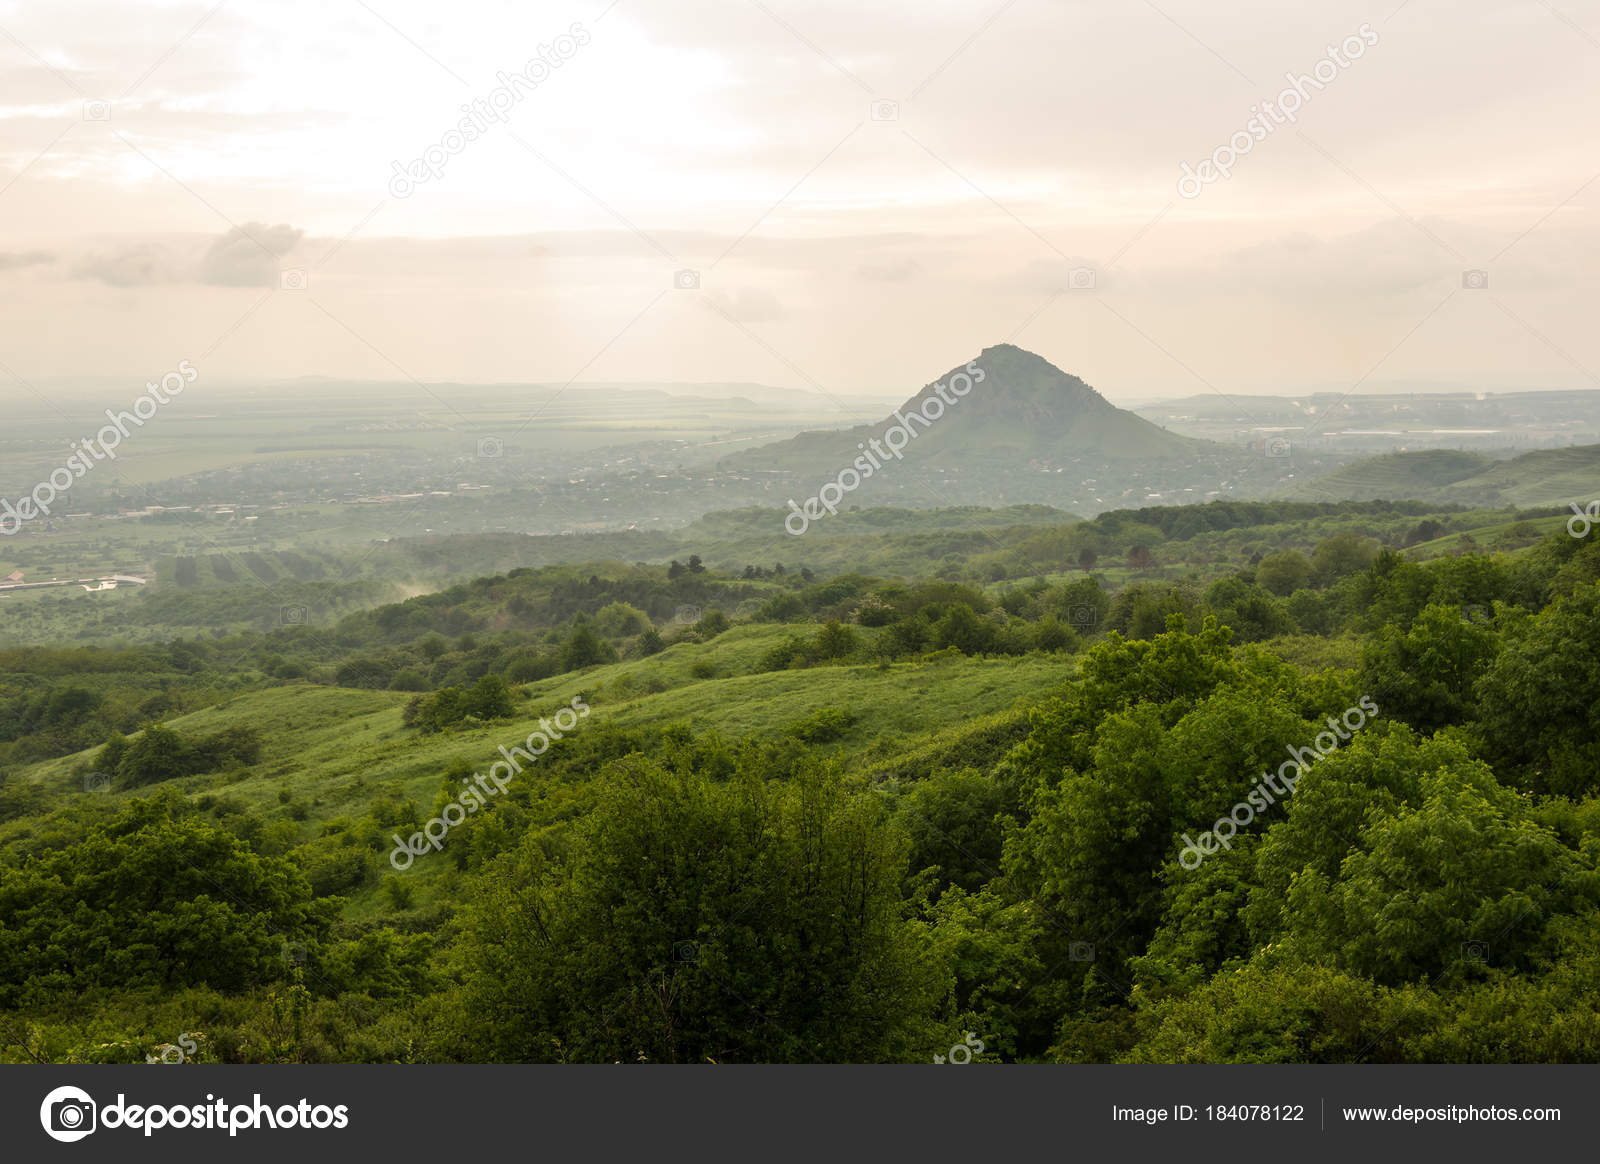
835 251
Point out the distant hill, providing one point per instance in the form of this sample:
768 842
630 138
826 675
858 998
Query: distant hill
1497 422
1545 477
1024 407
1410 475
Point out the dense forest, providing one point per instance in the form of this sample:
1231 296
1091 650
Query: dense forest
842 816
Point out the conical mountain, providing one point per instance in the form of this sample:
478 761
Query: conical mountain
1019 407
1026 406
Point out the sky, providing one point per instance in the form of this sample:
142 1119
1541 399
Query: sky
847 196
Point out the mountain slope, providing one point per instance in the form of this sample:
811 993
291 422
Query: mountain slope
1418 475
1022 407
1544 477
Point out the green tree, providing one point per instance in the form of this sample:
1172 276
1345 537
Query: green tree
1342 554
1459 878
962 629
584 648
157 753
1426 675
109 758
1249 610
409 679
954 819
1539 701
687 919
711 624
437 711
1050 635
619 620
1283 574
155 898
490 698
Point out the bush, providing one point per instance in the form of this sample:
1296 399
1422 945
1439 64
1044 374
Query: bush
836 641
711 625
488 698
782 656
824 725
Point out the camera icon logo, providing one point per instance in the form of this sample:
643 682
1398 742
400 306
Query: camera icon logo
96 110
1080 951
96 782
292 616
292 279
1475 280
294 954
1278 447
1081 615
490 447
686 280
1475 951
884 111
68 1114
1082 279
687 614
685 951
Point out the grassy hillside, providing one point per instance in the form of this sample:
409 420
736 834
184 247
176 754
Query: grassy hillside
1421 475
1547 477
333 752
824 737
1446 476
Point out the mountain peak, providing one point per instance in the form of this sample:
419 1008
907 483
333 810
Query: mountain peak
1009 351
1007 407
1017 380
1010 356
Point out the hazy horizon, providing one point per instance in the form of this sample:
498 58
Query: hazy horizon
218 185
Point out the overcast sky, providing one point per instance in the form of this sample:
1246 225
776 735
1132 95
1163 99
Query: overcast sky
869 190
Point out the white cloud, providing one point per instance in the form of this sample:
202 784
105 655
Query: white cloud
1055 131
